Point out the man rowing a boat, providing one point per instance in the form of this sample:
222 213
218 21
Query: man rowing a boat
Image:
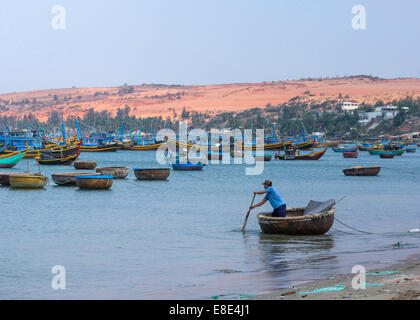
274 198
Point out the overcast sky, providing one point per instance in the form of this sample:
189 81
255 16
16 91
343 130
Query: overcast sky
109 43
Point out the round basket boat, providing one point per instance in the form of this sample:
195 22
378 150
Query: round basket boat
69 179
94 182
386 155
116 172
28 181
85 165
152 174
351 155
362 171
295 223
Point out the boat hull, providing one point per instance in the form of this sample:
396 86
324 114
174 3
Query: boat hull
151 147
312 156
308 145
112 148
85 165
296 224
10 160
28 181
362 171
152 174
352 155
56 162
116 172
386 156
69 179
345 150
100 182
60 153
376 152
187 167
5 177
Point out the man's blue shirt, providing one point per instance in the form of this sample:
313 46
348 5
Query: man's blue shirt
274 197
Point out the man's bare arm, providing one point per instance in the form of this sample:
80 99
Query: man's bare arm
258 204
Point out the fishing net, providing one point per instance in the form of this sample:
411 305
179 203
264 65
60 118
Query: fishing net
314 207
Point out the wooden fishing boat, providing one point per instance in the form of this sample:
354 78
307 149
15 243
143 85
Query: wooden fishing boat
329 144
411 148
146 147
60 153
376 152
362 171
116 172
386 156
69 179
365 146
266 158
187 166
12 159
292 155
112 147
28 181
295 223
30 154
345 149
152 174
84 164
353 154
307 145
94 182
268 146
61 161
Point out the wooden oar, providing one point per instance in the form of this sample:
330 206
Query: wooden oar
247 215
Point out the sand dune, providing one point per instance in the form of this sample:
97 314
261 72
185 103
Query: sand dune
153 100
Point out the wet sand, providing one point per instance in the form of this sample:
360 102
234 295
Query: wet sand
399 282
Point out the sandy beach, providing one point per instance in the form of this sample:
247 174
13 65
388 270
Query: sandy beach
398 282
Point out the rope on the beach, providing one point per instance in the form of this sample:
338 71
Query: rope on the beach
351 227
341 231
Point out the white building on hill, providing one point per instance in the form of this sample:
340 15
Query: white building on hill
349 105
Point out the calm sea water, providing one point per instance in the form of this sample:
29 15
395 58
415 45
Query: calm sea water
181 239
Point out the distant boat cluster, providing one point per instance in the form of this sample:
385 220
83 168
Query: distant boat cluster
63 150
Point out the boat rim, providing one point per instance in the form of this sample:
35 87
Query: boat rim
95 177
263 216
142 169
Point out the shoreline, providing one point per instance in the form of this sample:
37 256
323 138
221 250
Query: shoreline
401 281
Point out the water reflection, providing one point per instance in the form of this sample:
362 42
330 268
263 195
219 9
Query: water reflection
281 254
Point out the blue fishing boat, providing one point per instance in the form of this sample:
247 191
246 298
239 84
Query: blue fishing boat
365 146
411 148
97 142
345 148
21 140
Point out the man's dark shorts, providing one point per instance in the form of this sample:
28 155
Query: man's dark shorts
280 212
